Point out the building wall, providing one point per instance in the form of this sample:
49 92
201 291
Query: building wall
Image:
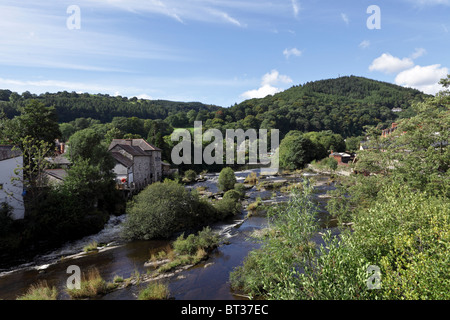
16 188
142 171
156 166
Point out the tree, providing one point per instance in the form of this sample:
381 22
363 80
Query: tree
31 174
90 177
67 129
296 151
227 179
87 145
352 144
36 121
328 140
164 208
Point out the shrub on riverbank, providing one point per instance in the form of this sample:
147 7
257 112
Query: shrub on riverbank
205 239
155 291
187 251
189 176
227 179
92 285
287 246
40 291
165 208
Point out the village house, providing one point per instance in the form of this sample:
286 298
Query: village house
11 192
342 158
138 163
389 131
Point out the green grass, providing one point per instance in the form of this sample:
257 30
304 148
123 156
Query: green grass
189 251
40 291
155 291
92 246
92 285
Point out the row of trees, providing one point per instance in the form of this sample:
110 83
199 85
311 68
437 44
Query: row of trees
344 106
81 204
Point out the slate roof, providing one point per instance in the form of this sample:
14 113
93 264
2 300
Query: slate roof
122 159
57 173
7 152
138 143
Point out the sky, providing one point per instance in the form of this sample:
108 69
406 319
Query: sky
219 52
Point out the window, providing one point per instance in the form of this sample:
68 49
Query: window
1 186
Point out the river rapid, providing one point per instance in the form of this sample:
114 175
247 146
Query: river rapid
208 280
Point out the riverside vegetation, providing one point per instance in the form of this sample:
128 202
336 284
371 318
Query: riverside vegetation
315 118
395 217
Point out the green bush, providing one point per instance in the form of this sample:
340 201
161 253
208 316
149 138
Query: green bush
268 271
227 179
232 195
205 239
240 187
165 208
155 291
190 176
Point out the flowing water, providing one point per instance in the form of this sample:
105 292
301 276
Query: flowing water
206 281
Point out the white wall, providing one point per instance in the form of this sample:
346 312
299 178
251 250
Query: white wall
16 188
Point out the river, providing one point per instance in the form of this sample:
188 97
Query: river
206 281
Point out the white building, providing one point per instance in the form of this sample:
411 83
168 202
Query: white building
11 192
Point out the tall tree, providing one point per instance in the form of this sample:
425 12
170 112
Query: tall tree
36 121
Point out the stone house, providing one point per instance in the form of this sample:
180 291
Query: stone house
138 163
11 192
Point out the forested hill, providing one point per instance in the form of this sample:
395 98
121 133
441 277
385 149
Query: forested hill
343 105
103 107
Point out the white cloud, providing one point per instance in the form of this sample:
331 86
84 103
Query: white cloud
295 8
345 18
364 44
418 53
144 96
292 52
262 92
424 78
268 83
274 78
225 17
387 63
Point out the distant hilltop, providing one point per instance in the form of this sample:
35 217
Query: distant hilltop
343 105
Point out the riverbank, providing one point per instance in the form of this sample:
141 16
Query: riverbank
209 279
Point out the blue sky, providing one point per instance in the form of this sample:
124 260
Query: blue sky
218 51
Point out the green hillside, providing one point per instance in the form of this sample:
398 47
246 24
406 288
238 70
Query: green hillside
344 105
103 107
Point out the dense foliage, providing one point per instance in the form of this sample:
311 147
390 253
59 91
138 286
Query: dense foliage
344 105
164 208
226 180
399 218
72 105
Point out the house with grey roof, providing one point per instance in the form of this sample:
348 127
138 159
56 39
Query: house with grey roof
138 163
